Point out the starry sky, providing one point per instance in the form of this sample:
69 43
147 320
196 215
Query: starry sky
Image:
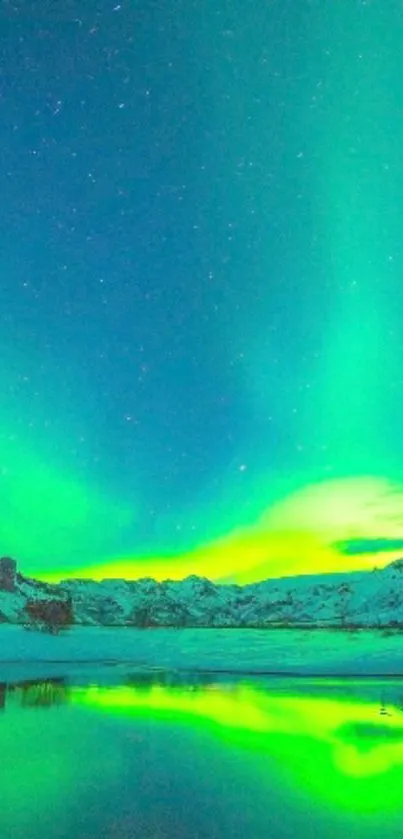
201 287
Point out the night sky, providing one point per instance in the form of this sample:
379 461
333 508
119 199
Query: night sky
201 287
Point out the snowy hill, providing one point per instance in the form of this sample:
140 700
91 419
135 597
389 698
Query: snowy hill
365 598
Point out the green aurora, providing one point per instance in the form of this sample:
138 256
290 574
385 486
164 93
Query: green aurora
291 323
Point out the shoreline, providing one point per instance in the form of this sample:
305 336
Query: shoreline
286 652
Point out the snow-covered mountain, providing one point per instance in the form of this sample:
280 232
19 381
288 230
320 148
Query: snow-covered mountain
365 598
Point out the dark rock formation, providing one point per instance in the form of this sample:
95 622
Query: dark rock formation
8 573
51 615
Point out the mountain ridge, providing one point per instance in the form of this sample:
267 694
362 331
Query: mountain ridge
360 598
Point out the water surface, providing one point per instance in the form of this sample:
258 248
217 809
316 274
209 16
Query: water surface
170 756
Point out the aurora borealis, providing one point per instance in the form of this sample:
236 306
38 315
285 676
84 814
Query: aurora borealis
200 288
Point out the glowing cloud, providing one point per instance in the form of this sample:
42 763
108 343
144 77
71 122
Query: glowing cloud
301 534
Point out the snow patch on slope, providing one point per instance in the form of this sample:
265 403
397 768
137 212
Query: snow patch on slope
364 598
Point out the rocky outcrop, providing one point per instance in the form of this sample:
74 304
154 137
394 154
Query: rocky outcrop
8 574
31 602
49 614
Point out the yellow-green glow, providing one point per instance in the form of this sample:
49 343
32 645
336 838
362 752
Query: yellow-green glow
339 747
299 534
132 447
331 742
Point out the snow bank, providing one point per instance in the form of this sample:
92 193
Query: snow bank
298 652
